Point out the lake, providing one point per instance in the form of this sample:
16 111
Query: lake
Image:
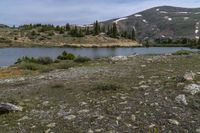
8 56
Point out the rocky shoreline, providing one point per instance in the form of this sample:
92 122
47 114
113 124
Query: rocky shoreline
149 93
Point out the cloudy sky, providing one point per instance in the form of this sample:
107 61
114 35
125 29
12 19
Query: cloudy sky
17 12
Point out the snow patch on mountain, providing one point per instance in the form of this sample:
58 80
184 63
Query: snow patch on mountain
163 12
138 15
182 12
120 19
168 18
145 21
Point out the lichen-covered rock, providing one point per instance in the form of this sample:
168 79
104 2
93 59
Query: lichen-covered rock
192 89
174 122
181 99
70 117
189 76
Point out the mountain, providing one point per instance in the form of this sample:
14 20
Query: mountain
3 26
161 22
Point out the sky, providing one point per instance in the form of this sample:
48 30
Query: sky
60 12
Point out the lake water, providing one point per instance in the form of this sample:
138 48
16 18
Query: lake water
9 55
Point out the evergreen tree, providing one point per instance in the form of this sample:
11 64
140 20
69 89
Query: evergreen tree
133 35
114 30
87 31
198 43
67 27
103 29
96 28
108 32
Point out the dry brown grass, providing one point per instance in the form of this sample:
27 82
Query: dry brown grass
13 72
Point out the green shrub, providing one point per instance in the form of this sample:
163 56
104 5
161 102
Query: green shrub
80 59
40 60
66 56
44 60
25 59
183 52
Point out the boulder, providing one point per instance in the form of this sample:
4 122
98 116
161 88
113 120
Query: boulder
174 122
8 107
192 89
189 76
181 99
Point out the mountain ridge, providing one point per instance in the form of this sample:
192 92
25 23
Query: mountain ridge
161 22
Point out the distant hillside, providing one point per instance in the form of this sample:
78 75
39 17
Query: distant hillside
33 35
3 26
161 22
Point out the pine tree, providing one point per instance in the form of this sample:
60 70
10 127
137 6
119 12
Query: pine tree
96 28
67 27
198 44
133 35
114 30
87 31
103 29
108 32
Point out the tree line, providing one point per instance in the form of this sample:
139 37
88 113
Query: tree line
77 31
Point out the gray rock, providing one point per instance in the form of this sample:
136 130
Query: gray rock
51 125
192 89
172 121
133 118
198 73
180 79
119 58
8 107
198 130
24 118
189 76
83 111
90 131
70 117
181 99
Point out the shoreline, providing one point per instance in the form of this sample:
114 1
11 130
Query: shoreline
88 45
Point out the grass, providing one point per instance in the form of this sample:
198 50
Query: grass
46 64
183 52
80 59
12 71
107 86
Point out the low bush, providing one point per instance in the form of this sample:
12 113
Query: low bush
80 59
44 60
40 60
25 59
107 87
30 66
183 52
66 56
